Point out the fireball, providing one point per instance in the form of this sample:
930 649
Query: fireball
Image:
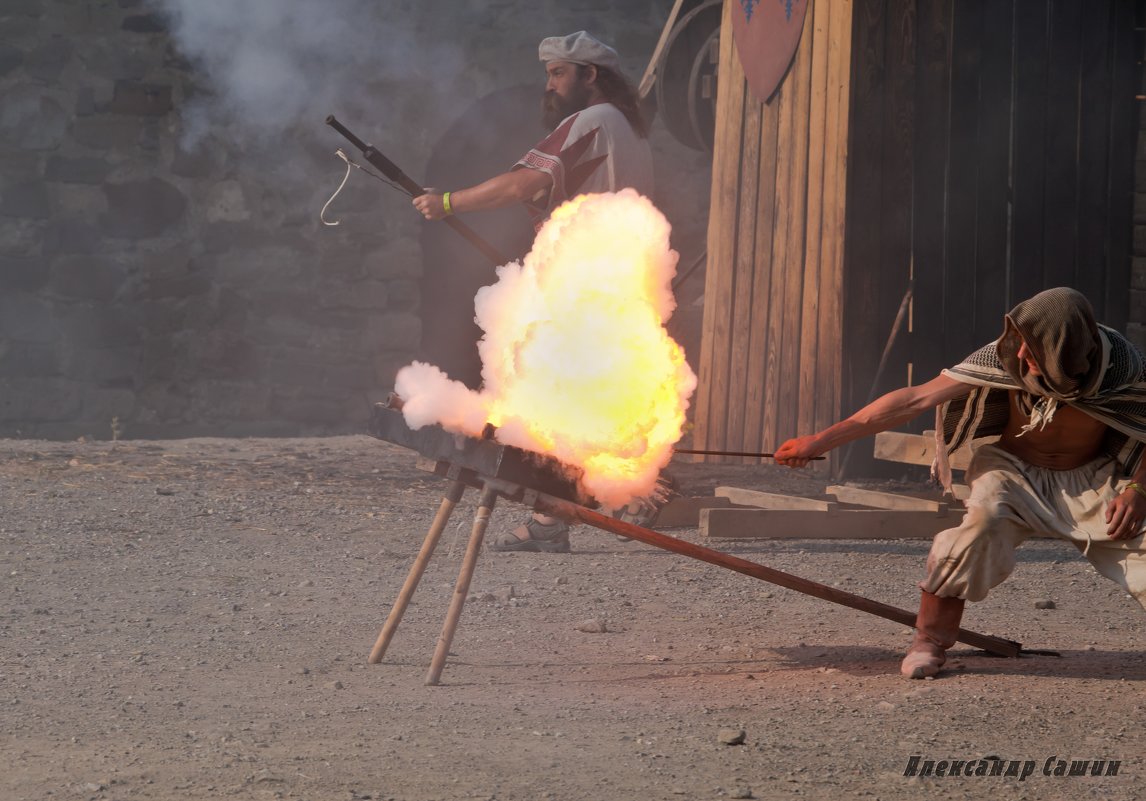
576 361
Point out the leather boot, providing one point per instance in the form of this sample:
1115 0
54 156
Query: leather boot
936 630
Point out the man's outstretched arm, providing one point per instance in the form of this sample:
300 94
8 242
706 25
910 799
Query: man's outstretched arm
882 414
511 187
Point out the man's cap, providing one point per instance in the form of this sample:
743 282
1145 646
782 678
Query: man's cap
579 48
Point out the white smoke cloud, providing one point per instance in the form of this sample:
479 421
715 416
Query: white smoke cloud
275 65
433 397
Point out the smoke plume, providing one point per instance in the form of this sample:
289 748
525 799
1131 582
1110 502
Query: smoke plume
271 67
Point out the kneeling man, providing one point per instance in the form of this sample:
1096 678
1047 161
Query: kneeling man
1067 398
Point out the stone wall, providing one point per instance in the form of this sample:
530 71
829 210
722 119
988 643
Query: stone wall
156 285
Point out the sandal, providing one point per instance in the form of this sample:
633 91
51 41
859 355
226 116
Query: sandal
543 537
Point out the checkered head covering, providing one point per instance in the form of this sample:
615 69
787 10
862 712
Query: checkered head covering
1059 329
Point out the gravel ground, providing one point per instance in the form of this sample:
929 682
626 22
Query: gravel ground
190 620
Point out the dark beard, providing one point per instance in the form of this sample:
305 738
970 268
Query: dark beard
555 108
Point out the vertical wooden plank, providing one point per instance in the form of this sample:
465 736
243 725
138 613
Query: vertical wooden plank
812 291
838 104
1029 132
762 282
1060 199
711 408
774 425
1093 125
798 83
1123 131
932 92
961 234
864 199
994 156
742 314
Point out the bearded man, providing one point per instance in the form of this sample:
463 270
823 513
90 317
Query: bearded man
1067 398
598 141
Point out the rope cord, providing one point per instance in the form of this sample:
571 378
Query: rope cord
351 163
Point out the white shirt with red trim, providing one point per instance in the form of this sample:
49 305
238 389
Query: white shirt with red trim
593 150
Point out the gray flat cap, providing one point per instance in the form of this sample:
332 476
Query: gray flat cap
579 48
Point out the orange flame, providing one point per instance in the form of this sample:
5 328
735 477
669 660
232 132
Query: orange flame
576 362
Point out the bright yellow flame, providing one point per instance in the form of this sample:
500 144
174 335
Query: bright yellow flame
576 360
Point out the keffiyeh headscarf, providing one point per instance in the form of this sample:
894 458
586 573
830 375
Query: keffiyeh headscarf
1081 363
1059 330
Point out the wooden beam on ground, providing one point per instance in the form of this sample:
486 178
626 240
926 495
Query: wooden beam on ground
684 512
887 500
772 500
895 446
842 524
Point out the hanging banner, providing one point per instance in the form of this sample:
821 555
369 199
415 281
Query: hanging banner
767 33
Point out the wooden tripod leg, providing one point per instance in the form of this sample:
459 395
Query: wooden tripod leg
462 588
449 501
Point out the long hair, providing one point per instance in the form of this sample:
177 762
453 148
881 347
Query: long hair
622 94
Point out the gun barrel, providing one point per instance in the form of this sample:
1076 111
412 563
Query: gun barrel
333 122
395 174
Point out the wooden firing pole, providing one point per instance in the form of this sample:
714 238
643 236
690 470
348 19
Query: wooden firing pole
449 501
571 511
462 588
649 78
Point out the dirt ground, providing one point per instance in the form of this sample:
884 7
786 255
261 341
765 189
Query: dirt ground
191 620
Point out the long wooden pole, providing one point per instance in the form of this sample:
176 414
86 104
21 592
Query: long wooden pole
571 511
649 78
449 501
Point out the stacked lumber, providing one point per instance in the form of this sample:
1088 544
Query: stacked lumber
847 513
843 512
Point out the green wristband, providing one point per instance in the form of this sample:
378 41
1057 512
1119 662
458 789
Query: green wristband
446 204
1134 485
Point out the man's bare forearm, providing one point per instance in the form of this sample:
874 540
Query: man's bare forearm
882 414
500 191
887 412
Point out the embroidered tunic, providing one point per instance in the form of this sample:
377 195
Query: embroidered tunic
594 150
